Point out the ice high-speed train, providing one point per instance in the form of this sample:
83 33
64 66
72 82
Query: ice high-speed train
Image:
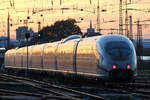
106 56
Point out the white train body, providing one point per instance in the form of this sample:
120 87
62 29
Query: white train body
105 56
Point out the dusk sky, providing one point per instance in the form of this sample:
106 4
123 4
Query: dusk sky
20 9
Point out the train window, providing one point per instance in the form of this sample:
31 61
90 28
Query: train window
118 49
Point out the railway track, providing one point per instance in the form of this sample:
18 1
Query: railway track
11 92
12 89
118 93
53 89
137 90
122 91
143 79
15 95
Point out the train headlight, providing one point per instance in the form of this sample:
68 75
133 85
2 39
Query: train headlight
114 67
128 66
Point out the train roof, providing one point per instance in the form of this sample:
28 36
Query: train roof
114 37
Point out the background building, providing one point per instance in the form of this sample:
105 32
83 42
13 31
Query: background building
3 42
21 31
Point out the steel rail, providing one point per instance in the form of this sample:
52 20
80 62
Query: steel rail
30 83
57 87
4 91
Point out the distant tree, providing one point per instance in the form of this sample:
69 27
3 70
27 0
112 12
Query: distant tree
65 28
59 30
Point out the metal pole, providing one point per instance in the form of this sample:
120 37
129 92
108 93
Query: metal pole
27 61
126 20
98 18
131 34
120 19
8 31
27 35
39 26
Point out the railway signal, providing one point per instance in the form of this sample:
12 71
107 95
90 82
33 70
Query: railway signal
27 35
39 34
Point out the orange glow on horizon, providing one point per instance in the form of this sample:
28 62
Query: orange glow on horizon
77 9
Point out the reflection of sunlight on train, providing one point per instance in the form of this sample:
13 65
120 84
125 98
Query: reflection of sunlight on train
110 57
